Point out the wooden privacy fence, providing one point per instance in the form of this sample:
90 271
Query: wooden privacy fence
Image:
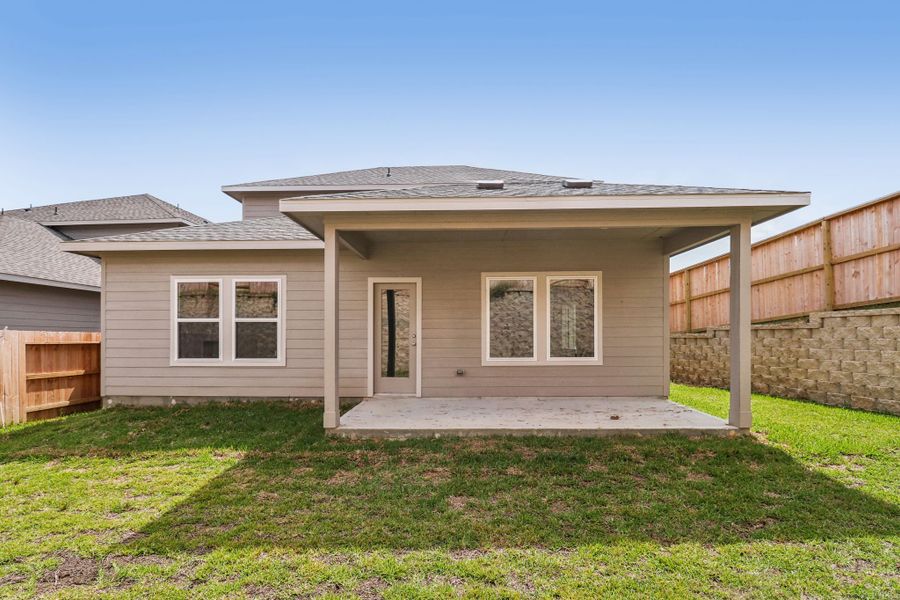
45 374
850 259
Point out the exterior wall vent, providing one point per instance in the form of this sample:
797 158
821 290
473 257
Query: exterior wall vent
578 183
489 184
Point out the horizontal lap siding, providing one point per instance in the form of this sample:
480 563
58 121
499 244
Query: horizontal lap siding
29 307
451 315
138 320
257 208
138 325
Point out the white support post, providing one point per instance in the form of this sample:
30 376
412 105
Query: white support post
332 325
739 414
667 335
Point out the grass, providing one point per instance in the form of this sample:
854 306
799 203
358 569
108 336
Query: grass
253 501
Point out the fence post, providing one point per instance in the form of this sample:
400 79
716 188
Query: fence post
828 273
688 326
11 376
21 375
5 384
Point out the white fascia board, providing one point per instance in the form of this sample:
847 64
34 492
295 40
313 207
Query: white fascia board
92 248
48 282
344 205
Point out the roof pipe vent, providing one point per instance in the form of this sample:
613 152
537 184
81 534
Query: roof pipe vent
578 183
489 184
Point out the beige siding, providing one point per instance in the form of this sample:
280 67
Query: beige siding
256 205
44 308
80 232
256 208
137 325
632 302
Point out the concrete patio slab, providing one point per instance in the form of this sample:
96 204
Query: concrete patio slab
404 417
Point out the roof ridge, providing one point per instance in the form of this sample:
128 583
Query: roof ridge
166 206
32 206
434 174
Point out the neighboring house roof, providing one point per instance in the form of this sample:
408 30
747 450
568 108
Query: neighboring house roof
416 175
136 208
539 189
272 229
30 253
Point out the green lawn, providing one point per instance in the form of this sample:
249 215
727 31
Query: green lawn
252 500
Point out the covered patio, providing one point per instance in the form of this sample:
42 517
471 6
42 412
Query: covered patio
403 417
453 246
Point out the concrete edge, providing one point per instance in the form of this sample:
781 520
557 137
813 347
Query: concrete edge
403 434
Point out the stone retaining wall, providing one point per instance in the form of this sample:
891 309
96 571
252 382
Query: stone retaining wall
842 358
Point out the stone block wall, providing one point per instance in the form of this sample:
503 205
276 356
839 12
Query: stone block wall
841 358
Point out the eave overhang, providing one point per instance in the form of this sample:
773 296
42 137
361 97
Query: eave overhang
310 211
48 282
88 248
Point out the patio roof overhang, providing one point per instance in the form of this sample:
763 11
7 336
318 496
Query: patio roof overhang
685 221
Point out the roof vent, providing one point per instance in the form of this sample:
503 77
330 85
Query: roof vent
578 183
489 184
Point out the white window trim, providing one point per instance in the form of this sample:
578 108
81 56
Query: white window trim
279 319
226 320
541 329
596 277
487 278
173 346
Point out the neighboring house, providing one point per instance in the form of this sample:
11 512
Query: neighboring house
440 282
44 288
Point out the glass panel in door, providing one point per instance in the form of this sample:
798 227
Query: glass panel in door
395 338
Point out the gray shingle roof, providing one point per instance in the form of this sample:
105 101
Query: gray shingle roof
536 189
270 229
28 249
416 175
140 207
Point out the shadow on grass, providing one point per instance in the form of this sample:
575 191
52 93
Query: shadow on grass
296 489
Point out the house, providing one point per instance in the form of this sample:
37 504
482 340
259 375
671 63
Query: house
441 286
44 288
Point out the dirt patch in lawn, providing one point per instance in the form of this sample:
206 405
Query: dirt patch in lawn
144 560
458 502
12 579
72 571
371 589
437 474
343 477
263 592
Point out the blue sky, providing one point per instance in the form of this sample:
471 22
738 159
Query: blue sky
176 99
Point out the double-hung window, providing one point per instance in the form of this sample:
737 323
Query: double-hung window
257 320
228 321
197 327
541 318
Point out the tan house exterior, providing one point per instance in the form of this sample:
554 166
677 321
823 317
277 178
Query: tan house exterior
450 282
